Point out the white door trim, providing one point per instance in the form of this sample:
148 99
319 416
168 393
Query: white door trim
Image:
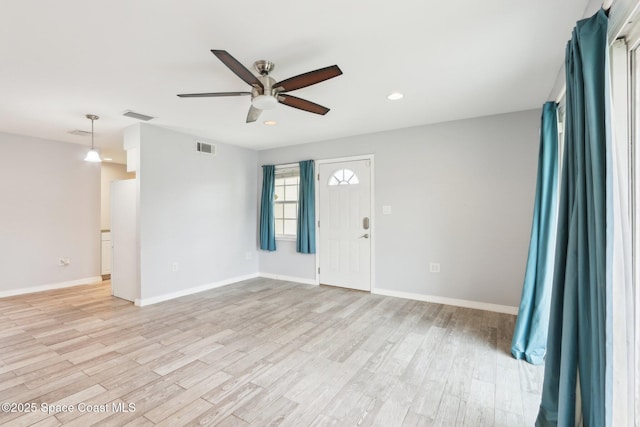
369 157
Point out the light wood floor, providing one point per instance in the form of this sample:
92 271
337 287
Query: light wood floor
263 353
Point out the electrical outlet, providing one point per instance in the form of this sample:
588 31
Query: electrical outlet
174 267
434 267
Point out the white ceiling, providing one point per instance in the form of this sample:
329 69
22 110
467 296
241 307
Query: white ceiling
60 60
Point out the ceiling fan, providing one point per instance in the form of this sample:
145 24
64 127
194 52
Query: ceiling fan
266 93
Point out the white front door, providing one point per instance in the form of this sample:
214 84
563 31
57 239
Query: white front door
345 224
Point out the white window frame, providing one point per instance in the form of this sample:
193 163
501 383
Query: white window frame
281 172
626 105
633 40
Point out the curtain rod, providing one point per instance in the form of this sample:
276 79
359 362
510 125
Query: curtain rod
288 165
285 165
606 6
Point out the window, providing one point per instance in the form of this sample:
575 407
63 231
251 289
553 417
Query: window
343 177
634 130
287 183
625 299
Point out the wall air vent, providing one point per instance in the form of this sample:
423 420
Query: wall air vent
138 116
79 132
203 147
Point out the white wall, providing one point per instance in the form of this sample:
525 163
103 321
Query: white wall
50 209
461 194
110 172
196 210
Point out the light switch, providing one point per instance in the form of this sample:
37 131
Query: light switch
386 210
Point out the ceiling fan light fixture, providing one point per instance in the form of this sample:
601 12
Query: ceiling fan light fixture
395 96
264 102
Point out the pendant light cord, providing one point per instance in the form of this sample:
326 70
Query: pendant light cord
93 118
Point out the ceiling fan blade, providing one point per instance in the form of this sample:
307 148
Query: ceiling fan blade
308 79
240 70
214 94
253 114
302 104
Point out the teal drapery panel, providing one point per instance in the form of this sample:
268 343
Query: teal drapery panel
530 335
306 239
576 344
267 219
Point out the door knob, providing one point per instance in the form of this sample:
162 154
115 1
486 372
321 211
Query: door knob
366 236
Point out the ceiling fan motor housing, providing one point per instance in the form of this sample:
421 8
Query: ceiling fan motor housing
264 67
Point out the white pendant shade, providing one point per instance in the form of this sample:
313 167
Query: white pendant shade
93 156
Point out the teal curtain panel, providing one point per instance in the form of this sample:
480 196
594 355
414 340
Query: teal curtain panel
306 238
267 218
530 336
576 344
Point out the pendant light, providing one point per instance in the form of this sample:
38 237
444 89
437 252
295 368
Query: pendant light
92 155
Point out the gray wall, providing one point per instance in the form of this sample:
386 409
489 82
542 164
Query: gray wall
50 209
461 194
195 210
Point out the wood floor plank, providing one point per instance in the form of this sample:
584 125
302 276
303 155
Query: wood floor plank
412 419
531 405
480 409
186 413
173 405
51 421
226 407
261 352
395 408
417 368
509 419
451 411
428 399
508 391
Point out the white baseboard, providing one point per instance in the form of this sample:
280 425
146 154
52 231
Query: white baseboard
288 278
141 302
51 286
449 301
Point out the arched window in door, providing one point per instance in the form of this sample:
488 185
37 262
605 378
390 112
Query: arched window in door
343 177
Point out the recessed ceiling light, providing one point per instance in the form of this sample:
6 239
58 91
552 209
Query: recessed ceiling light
108 159
395 96
270 123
